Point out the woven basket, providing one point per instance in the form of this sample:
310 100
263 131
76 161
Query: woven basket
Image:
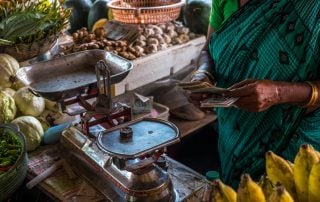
11 180
145 11
23 52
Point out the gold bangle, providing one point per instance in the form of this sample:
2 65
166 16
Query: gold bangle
314 95
208 74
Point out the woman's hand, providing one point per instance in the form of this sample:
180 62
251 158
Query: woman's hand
255 95
202 75
196 98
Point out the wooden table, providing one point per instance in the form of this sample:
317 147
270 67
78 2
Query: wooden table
188 127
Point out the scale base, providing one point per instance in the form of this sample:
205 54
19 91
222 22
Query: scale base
100 182
88 161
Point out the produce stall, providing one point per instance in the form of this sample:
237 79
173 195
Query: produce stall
75 121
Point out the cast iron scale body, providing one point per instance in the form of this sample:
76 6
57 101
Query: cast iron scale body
123 161
123 165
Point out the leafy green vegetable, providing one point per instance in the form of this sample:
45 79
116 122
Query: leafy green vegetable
10 148
30 21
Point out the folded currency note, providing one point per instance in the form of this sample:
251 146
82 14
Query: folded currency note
201 87
194 85
218 101
210 90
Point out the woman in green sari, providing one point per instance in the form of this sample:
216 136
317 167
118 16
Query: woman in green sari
267 53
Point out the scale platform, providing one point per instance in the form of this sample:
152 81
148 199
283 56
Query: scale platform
123 173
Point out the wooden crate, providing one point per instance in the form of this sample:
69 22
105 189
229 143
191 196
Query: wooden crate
161 64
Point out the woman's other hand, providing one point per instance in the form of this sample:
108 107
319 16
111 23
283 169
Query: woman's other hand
255 95
204 71
196 98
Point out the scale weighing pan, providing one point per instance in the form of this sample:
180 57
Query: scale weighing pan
71 75
148 135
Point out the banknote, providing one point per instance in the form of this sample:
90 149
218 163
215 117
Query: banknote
216 97
218 101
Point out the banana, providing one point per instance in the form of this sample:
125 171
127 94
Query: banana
249 191
318 154
228 194
279 171
290 164
217 195
314 183
303 163
280 194
266 186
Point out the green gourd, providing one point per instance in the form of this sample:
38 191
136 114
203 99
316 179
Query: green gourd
98 10
79 14
196 15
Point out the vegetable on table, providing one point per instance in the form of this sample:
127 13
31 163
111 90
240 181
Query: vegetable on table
151 39
98 10
79 13
28 103
8 68
8 108
32 130
31 20
196 15
9 91
10 149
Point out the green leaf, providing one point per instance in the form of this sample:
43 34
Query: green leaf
31 20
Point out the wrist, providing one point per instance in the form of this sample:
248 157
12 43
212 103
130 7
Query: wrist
204 58
293 93
203 73
206 67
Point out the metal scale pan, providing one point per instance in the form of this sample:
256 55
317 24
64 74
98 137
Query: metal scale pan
148 135
68 76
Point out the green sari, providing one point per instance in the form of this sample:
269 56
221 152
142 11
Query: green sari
266 39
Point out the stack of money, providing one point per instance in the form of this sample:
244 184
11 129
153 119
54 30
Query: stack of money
215 94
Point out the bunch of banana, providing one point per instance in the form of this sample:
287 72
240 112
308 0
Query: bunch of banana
300 179
284 181
223 193
266 186
249 191
280 194
280 171
303 164
314 183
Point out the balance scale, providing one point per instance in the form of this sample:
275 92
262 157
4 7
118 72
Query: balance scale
126 161
123 162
